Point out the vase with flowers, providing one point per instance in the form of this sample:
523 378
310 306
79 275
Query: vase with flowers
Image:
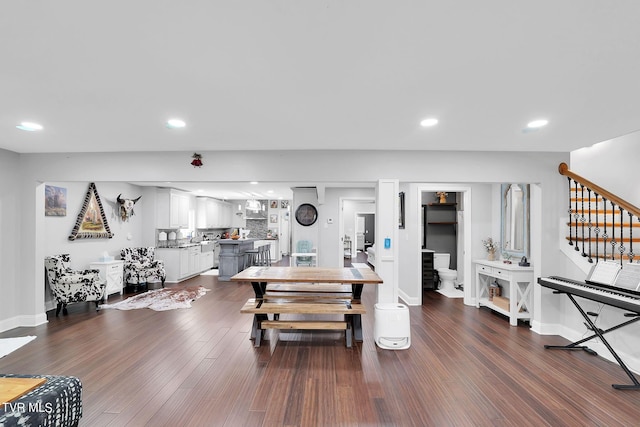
491 246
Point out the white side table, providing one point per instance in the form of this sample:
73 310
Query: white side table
111 272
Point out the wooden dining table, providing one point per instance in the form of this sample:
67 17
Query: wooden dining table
309 278
260 276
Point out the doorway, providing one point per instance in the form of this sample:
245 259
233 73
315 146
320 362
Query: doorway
366 231
460 198
357 226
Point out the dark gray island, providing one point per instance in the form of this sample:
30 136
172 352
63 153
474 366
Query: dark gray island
232 259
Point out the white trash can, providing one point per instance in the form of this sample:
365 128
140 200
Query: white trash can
391 328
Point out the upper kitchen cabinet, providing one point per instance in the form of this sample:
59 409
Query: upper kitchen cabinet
212 213
172 208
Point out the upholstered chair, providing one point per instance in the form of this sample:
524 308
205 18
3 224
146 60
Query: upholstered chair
305 247
140 265
69 285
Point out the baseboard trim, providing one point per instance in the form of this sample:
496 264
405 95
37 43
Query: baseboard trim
407 299
23 321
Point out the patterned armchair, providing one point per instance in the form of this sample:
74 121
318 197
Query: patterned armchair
140 265
70 285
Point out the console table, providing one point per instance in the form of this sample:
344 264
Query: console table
516 283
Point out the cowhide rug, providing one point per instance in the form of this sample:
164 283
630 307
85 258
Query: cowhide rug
161 299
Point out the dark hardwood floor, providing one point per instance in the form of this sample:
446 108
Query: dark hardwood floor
197 367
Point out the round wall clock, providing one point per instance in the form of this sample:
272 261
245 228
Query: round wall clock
306 214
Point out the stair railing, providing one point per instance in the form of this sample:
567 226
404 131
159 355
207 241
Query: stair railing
579 218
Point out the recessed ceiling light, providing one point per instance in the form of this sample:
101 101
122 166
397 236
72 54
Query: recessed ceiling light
429 122
29 126
537 124
175 124
253 182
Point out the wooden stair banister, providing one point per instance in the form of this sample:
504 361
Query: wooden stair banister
563 169
613 234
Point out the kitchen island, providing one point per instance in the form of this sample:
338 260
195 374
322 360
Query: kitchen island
232 259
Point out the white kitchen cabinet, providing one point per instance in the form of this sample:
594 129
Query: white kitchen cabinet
112 273
184 263
225 214
212 213
172 209
206 260
181 263
194 260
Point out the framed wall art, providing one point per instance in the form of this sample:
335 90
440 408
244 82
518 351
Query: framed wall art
55 201
92 222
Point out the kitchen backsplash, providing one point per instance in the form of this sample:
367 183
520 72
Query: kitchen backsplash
258 228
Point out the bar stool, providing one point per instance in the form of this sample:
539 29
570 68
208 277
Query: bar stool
265 254
251 257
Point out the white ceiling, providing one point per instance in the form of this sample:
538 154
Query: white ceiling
296 75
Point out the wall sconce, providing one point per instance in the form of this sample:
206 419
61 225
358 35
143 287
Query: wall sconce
197 160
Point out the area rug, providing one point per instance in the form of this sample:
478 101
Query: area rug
8 345
454 293
360 265
212 272
161 299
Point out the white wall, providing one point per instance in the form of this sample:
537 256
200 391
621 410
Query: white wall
308 166
85 251
311 232
605 164
10 240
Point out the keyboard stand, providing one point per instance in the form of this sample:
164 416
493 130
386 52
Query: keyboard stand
600 334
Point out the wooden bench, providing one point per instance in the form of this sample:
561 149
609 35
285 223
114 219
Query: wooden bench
261 308
298 292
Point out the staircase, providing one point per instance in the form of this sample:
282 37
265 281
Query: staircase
600 226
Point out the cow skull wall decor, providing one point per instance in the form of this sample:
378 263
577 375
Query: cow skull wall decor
126 207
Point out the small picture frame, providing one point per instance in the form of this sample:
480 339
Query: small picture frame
273 204
55 202
284 204
273 218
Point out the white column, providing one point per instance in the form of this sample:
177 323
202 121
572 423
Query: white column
387 212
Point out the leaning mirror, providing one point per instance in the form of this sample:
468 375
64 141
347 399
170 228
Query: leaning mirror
514 238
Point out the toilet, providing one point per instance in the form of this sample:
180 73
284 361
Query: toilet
447 277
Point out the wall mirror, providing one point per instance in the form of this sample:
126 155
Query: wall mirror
514 230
